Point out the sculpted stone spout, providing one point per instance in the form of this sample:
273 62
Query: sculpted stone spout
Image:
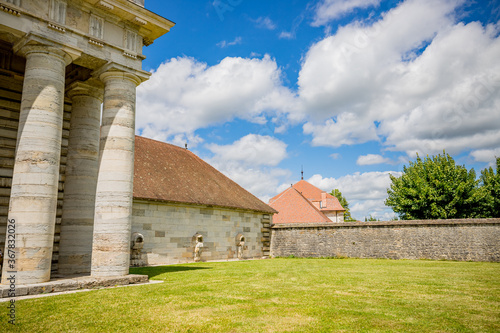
198 249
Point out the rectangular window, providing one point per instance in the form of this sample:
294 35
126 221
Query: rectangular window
96 27
58 11
130 41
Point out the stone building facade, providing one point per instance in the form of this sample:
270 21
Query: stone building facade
170 230
65 180
178 198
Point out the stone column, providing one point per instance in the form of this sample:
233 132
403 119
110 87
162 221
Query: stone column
33 200
77 224
113 208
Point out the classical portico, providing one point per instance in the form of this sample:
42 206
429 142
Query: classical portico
70 178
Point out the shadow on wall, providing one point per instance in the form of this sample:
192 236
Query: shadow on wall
158 270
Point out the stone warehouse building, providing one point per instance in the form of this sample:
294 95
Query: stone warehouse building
178 198
65 182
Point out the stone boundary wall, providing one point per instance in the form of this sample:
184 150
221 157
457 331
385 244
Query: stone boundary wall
465 240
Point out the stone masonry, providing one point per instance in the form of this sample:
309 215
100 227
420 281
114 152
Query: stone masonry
78 53
169 232
465 240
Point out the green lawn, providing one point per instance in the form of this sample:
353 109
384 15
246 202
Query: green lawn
281 295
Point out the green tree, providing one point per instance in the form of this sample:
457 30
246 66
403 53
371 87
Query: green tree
370 218
434 188
489 192
343 201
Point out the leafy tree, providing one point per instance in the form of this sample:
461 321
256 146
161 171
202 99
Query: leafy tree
489 192
343 201
370 218
434 188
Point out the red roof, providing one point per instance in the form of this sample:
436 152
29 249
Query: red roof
315 195
164 172
304 203
309 191
293 207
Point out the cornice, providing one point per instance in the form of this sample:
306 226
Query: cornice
148 24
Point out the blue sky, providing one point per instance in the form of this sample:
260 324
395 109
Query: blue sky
350 90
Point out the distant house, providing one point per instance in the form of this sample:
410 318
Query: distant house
305 203
178 198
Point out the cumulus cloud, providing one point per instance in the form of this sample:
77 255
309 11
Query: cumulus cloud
365 192
259 181
486 155
184 95
252 150
344 130
251 162
416 81
371 159
329 10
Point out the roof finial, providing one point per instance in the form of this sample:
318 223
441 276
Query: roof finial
186 145
302 172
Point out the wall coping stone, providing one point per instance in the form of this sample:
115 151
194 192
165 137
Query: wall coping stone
382 224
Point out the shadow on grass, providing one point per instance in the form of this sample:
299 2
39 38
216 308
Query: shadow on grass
158 270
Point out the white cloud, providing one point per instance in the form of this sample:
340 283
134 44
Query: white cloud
365 192
252 150
251 162
415 80
260 181
184 95
335 156
224 43
295 26
265 23
486 155
371 159
346 130
287 35
329 10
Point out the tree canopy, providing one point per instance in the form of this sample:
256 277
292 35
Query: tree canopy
343 201
436 188
489 192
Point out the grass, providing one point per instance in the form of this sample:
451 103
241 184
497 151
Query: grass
281 295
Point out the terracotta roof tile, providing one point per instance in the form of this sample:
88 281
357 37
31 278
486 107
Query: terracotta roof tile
293 207
164 172
315 195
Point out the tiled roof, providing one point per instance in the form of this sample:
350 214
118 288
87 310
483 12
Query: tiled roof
293 207
309 191
332 203
315 195
164 172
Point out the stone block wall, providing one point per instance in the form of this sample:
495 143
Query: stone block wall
169 231
466 240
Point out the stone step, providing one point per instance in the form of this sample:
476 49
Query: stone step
60 285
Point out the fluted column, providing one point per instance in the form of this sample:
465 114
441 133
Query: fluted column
77 224
113 208
33 200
